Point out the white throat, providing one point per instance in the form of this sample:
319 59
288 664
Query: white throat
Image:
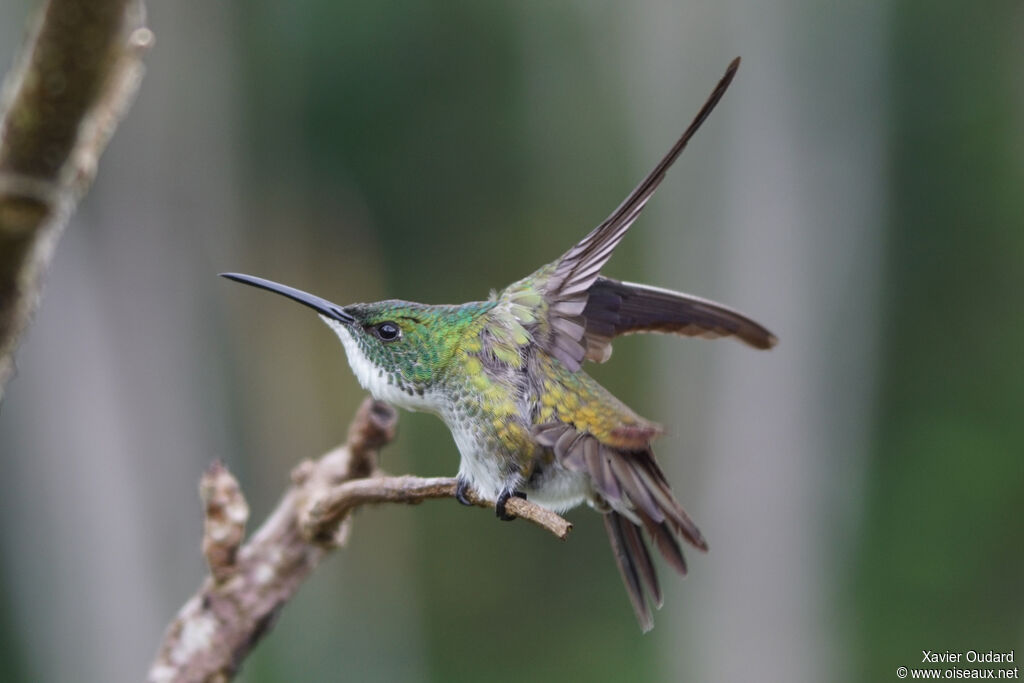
373 378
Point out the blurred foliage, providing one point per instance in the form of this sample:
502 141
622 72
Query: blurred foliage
433 150
941 563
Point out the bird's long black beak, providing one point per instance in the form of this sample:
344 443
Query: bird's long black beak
321 306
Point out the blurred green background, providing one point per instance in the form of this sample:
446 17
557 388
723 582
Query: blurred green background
859 191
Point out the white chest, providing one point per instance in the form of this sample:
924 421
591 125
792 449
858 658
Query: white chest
483 470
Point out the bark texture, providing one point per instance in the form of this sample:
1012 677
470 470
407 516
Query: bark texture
249 583
76 79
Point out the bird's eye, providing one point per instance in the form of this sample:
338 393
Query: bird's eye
388 331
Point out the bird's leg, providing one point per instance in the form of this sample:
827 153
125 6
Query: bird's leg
461 488
502 500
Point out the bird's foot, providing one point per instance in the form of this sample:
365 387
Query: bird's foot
503 497
461 489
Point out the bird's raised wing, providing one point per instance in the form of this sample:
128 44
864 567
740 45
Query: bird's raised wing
567 283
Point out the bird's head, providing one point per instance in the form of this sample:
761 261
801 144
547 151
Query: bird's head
398 350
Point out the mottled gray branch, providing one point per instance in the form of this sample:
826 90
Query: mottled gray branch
79 72
249 583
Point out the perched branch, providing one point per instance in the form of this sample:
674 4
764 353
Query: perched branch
249 583
344 497
61 104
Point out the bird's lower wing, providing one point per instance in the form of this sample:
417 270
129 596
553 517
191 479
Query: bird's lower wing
637 496
616 308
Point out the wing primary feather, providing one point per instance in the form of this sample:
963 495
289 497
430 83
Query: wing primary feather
599 243
616 308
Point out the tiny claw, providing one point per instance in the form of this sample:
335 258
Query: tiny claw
461 489
503 497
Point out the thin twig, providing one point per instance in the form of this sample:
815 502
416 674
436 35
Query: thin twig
249 583
413 490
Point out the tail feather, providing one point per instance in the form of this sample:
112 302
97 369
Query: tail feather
633 491
640 497
642 560
625 558
667 544
654 482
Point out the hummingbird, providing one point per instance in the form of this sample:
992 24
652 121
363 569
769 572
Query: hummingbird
506 376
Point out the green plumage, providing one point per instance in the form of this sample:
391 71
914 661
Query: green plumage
505 376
